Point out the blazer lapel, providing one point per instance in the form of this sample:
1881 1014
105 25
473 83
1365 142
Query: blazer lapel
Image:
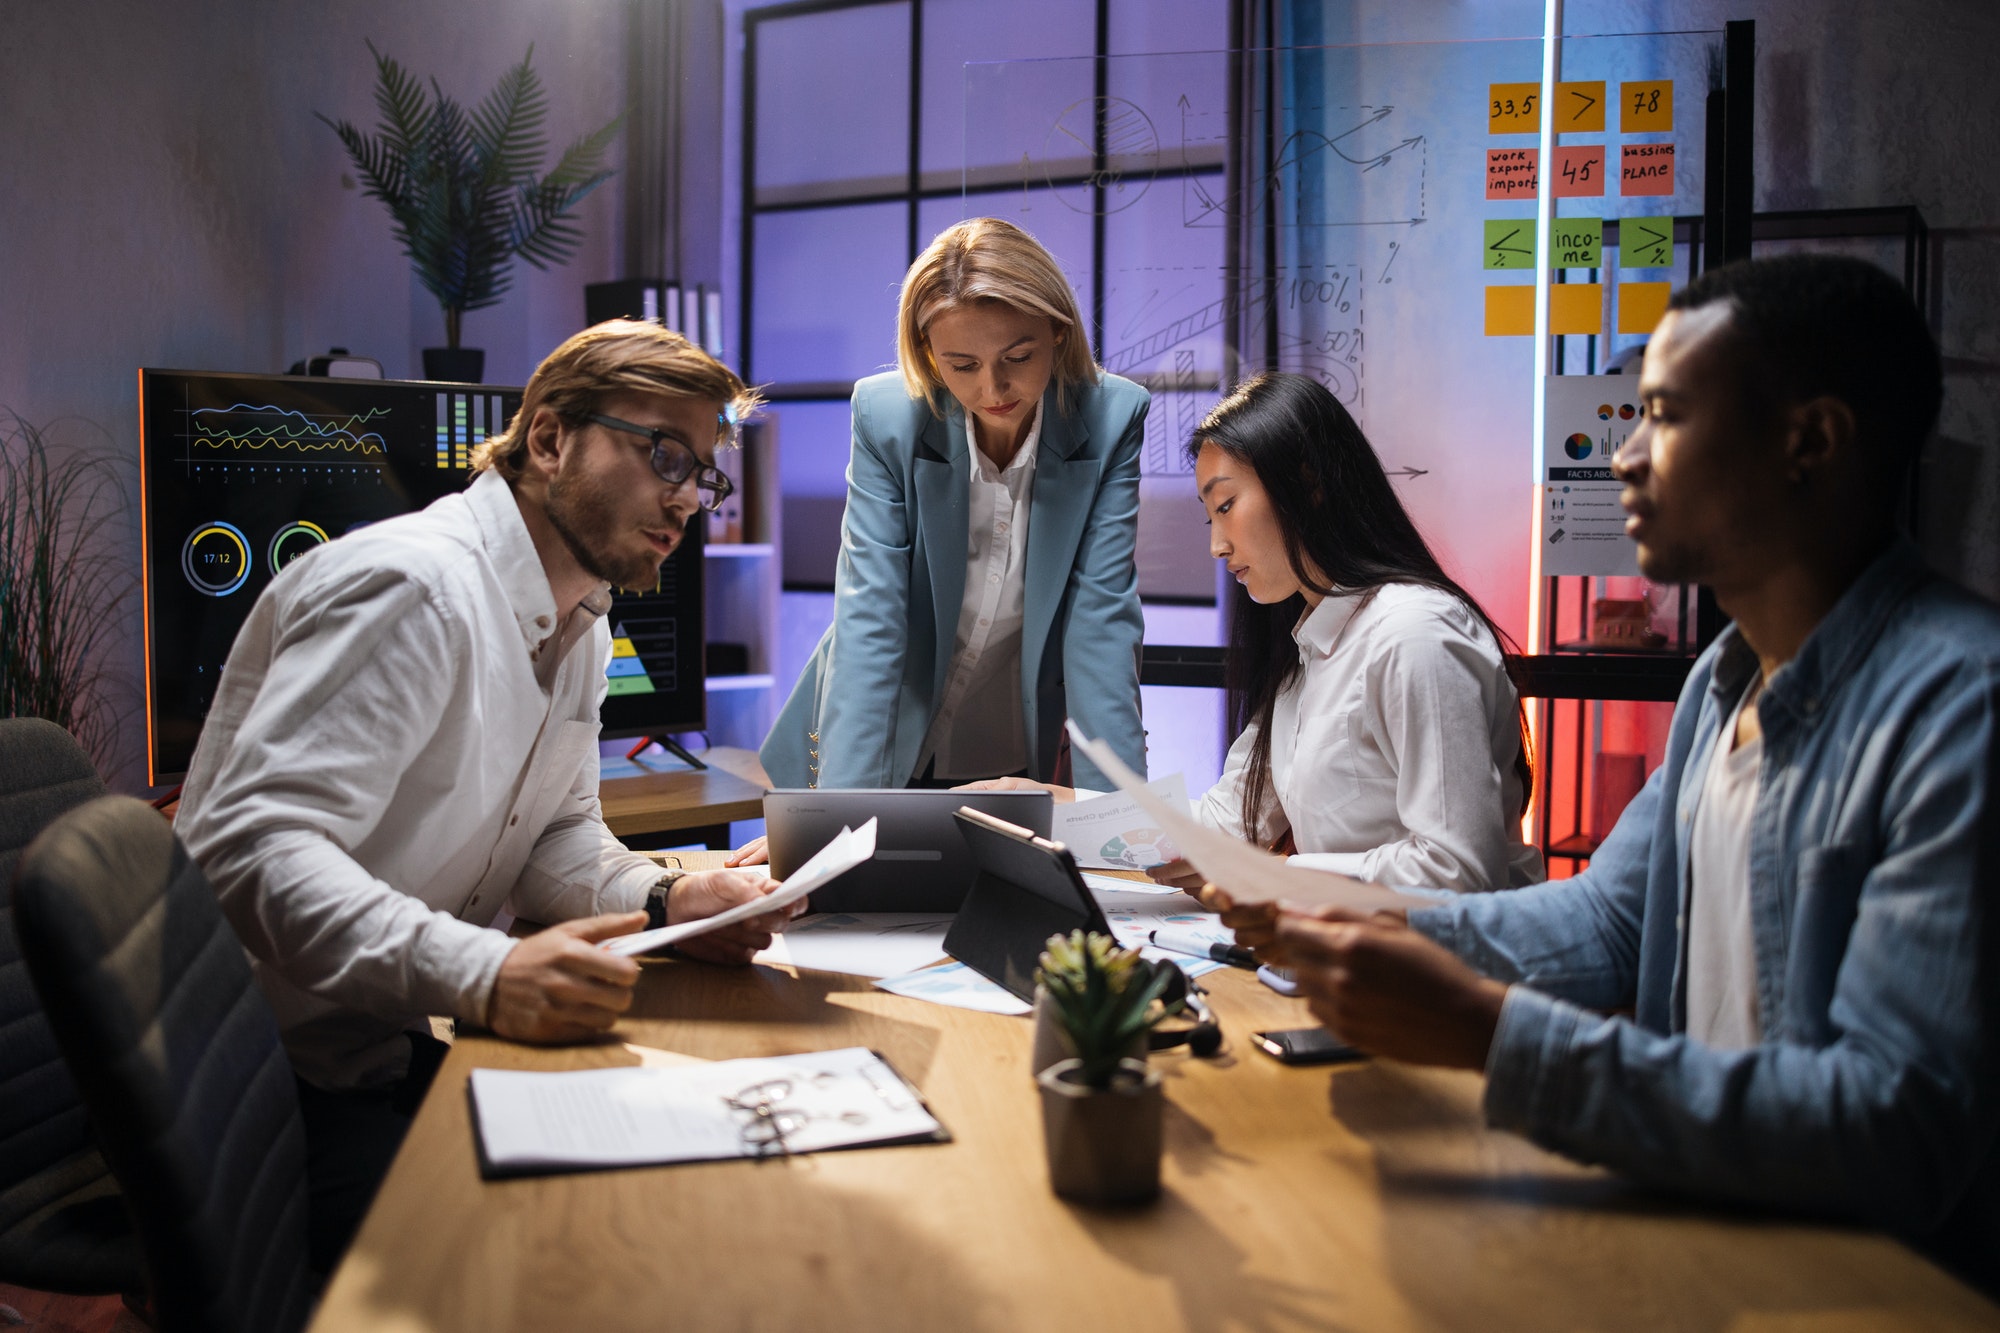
941 463
1065 486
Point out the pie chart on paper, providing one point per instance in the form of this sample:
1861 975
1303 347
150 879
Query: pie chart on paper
1139 849
1578 446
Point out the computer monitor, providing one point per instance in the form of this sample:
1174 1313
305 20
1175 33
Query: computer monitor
242 474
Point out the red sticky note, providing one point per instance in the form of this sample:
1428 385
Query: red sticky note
1579 171
1646 168
1510 172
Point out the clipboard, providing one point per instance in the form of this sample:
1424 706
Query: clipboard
1027 889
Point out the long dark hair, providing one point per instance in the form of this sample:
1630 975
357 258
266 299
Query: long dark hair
1340 517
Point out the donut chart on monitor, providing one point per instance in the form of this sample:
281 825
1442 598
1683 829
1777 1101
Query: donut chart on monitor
215 559
293 541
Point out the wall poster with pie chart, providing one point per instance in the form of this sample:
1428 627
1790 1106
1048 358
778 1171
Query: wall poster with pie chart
1583 527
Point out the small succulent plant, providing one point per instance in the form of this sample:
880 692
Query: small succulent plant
1105 997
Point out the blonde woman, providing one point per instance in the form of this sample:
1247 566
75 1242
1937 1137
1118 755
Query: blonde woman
986 588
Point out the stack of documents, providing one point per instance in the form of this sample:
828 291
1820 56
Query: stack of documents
589 1119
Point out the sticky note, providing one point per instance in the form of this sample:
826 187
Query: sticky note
1510 311
1646 107
1580 108
1514 108
1644 168
1510 243
1576 307
1579 172
1510 172
1645 242
1575 242
1641 304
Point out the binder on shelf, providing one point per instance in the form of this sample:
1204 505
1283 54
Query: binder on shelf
691 314
711 322
670 306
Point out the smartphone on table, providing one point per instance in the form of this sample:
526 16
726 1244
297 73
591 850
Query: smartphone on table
1307 1046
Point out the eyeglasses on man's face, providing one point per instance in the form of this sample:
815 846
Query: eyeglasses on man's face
674 462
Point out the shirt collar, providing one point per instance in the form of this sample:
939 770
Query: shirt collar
504 533
1320 629
1024 457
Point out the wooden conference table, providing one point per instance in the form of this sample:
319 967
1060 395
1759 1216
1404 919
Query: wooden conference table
1364 1197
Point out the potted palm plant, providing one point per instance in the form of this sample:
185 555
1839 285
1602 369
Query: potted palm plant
465 192
1101 1109
62 589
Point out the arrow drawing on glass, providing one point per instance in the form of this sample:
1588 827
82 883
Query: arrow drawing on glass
1588 102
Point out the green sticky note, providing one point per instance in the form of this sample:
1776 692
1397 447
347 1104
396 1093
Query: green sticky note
1645 242
1576 242
1510 243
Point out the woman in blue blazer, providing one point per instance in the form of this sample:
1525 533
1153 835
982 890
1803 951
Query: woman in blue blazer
959 642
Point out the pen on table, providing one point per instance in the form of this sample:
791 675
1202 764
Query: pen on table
1188 941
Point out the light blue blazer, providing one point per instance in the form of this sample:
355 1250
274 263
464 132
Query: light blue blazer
864 703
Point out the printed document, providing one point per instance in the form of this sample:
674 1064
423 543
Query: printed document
849 848
535 1122
1114 832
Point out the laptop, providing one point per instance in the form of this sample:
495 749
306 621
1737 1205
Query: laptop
921 862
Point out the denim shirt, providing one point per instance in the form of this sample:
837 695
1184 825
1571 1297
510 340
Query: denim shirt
1874 1095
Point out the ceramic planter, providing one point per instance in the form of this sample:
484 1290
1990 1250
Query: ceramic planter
1103 1145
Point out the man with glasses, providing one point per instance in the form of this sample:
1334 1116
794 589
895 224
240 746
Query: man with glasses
404 744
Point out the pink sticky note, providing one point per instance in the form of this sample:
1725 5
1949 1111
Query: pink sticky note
1647 168
1510 173
1579 171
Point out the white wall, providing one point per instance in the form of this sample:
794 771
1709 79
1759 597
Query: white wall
170 201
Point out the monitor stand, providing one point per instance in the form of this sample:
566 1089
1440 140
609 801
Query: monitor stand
671 746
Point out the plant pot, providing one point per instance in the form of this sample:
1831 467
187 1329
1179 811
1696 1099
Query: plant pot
455 365
1103 1145
1052 1042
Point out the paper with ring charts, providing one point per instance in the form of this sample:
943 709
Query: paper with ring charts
1248 874
849 848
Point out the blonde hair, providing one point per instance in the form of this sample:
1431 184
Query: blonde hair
986 259
617 356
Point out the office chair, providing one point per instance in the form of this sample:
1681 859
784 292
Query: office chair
176 1052
63 1226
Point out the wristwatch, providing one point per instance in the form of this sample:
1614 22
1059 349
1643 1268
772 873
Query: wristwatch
656 897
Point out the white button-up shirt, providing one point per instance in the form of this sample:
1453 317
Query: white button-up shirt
404 741
979 731
1392 750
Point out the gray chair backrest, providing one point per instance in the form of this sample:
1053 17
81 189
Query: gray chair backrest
177 1055
62 1226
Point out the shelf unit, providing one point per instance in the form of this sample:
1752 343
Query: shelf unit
741 591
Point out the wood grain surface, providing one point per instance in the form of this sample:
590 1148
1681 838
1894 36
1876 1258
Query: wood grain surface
1362 1197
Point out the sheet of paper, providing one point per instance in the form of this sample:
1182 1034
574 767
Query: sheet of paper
629 1116
1135 916
1111 832
1645 242
1117 885
1586 418
1510 312
1646 107
1249 874
1579 107
1577 243
957 985
1510 173
861 944
1576 307
849 848
1579 172
1646 169
1509 244
1642 305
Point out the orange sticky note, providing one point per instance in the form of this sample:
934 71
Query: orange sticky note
1646 107
1644 168
1510 172
1579 172
1510 311
1576 307
1580 108
1513 108
1641 305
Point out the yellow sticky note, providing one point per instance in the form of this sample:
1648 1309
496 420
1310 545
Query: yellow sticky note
1514 108
1646 107
1576 307
1580 107
1641 305
1510 311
